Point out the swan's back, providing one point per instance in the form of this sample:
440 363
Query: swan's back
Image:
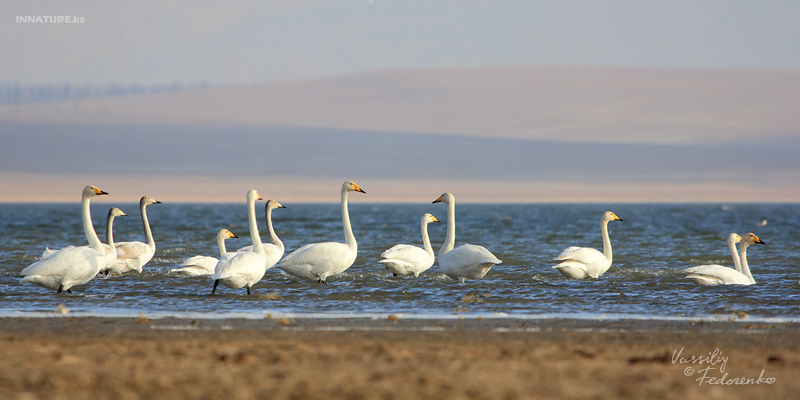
405 259
73 265
197 265
237 270
318 260
468 261
273 253
575 258
714 274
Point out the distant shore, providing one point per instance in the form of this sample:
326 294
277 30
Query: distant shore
396 358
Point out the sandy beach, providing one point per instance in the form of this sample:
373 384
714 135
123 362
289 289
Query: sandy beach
278 358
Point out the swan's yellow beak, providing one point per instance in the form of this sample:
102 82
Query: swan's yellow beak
435 219
358 189
99 192
757 240
439 200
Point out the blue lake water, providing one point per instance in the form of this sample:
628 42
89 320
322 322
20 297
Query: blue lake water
650 247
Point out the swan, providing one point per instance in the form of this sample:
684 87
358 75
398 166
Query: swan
318 261
205 265
405 259
72 265
719 275
466 261
274 250
131 256
243 269
584 262
109 247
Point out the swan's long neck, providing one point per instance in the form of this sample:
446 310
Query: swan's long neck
743 260
349 238
272 235
735 255
254 235
606 240
221 245
148 234
88 228
450 238
110 230
426 241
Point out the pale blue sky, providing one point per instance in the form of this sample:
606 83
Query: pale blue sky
160 42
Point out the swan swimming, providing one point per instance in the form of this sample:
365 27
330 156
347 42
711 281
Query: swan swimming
710 275
584 262
243 269
205 265
405 259
274 250
72 265
466 261
318 261
131 256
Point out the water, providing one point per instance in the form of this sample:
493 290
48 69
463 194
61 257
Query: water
650 247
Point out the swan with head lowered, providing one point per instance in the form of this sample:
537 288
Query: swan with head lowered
585 262
405 259
318 261
131 256
274 250
710 275
72 265
205 265
465 261
243 269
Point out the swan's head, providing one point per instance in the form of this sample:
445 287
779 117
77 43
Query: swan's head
734 238
115 212
610 216
147 200
751 238
92 191
428 218
226 234
351 186
252 195
272 204
446 198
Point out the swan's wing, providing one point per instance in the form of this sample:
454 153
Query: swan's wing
191 271
468 261
402 251
244 263
716 274
315 253
586 255
71 264
206 263
131 249
573 269
405 259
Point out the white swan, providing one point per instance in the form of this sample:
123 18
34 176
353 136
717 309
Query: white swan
584 262
719 275
318 261
73 265
205 265
109 246
243 269
131 256
274 250
405 259
466 261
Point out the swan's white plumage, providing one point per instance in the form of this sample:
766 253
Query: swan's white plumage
272 251
584 262
132 256
711 275
243 269
72 265
466 261
318 261
405 259
109 246
205 265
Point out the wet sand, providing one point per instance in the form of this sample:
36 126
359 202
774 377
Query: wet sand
127 358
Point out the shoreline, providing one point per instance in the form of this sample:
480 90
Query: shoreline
310 358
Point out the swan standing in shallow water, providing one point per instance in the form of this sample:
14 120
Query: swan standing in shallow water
110 248
318 261
466 261
719 275
274 250
405 259
584 262
243 269
205 265
73 265
131 256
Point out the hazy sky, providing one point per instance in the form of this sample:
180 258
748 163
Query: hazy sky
160 42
